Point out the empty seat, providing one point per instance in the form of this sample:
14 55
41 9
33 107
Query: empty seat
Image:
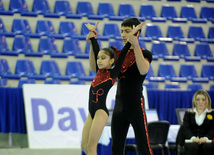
126 10
172 85
111 30
3 44
181 49
150 73
118 44
52 81
188 70
196 32
42 7
151 85
207 71
211 33
166 70
3 30
105 9
22 44
75 69
142 44
67 29
153 31
21 26
25 68
207 12
63 8
147 11
4 68
87 47
45 28
175 32
3 11
195 86
84 8
212 87
71 46
159 49
203 50
169 12
47 46
20 6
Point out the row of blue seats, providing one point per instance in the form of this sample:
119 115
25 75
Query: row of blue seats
75 69
85 9
48 46
110 30
149 86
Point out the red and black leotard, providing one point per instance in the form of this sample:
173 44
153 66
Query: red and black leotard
103 81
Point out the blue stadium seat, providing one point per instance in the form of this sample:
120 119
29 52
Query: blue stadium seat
151 85
87 47
3 45
3 82
126 10
21 27
48 46
188 70
45 28
212 87
166 70
172 85
203 50
3 31
175 32
117 43
181 49
195 86
3 11
169 12
147 11
153 31
63 8
68 29
196 32
86 9
211 33
189 13
111 30
42 7
150 73
194 1
20 6
207 71
75 69
5 71
50 68
159 49
142 44
105 9
25 68
25 81
52 81
207 12
71 46
21 44
77 82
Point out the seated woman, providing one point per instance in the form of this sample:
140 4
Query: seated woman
198 125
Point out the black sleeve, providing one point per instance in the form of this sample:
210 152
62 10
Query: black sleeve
96 50
116 70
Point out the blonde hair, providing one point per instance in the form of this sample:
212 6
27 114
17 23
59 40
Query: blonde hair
207 98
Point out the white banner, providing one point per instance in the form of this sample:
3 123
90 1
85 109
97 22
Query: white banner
55 114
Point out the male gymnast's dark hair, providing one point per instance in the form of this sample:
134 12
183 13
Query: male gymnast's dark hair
129 22
111 53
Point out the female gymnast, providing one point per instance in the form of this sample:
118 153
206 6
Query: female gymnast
107 72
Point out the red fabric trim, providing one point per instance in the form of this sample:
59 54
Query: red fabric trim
144 117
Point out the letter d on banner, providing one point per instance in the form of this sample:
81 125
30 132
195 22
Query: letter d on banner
36 103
